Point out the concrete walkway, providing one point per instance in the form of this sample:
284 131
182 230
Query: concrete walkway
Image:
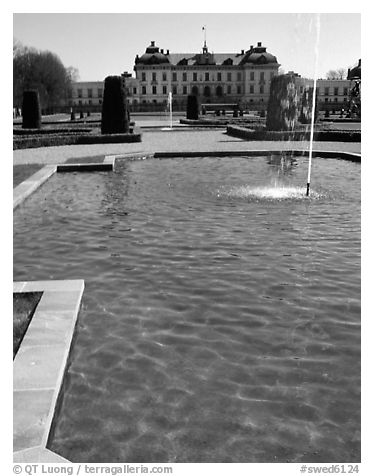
170 141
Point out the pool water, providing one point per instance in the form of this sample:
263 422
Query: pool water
221 316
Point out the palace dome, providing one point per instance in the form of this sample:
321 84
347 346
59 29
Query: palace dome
258 55
152 55
355 73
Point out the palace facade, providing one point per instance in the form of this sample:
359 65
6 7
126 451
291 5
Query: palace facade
243 78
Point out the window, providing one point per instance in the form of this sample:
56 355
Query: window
194 76
184 89
238 89
262 76
154 77
229 89
326 91
251 89
174 77
206 76
219 76
326 99
154 89
79 93
317 91
219 91
184 77
164 90
164 76
134 90
89 92
100 93
89 101
336 99
144 90
228 76
261 89
345 92
207 91
174 90
252 76
143 76
239 76
336 91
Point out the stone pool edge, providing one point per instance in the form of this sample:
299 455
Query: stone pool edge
39 367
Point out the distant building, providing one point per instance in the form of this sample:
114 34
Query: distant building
243 78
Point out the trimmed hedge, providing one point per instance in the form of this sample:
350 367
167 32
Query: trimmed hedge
329 136
192 107
62 130
51 140
31 112
114 116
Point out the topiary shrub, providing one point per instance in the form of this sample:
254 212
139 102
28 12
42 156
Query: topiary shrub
72 115
31 112
192 107
306 107
114 112
282 104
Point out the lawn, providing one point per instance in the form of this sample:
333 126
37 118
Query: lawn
24 305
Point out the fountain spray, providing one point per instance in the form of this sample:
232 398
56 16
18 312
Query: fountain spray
313 103
170 103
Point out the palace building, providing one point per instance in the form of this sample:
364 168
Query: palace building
242 78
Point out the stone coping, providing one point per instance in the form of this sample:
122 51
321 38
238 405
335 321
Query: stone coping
39 367
27 187
327 154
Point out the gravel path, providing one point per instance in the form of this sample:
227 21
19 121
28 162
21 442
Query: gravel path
168 141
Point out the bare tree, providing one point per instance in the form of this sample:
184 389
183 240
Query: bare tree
340 73
41 70
73 73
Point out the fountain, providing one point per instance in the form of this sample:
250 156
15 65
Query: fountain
170 108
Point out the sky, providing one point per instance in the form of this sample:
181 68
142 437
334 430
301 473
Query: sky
102 44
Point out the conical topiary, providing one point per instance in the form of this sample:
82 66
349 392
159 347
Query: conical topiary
192 107
114 113
31 112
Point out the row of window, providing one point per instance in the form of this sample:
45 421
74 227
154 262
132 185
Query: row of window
206 92
207 76
90 93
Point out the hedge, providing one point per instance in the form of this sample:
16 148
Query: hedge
331 135
51 140
31 112
62 130
114 113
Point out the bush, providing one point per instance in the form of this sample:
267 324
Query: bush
31 113
114 115
50 140
296 135
282 104
192 107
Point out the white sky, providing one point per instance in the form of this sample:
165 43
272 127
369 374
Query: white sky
101 44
